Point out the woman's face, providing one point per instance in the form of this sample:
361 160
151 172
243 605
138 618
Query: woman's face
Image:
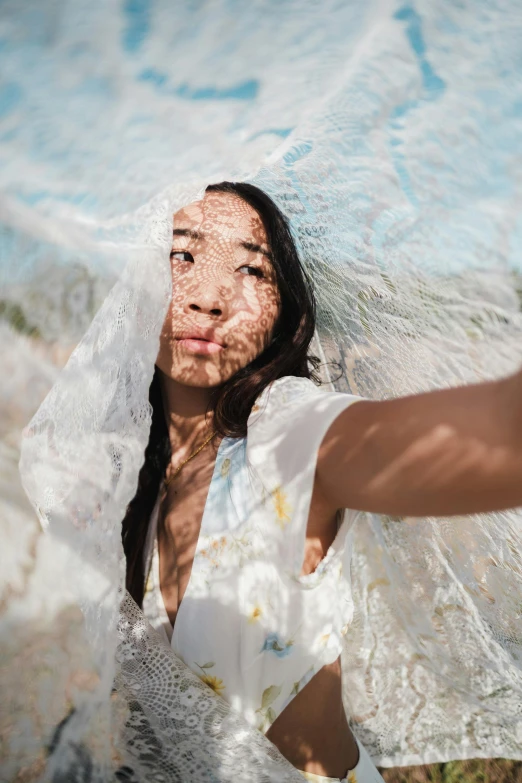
225 300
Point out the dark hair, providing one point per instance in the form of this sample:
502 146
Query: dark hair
231 403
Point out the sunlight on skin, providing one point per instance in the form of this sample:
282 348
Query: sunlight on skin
223 290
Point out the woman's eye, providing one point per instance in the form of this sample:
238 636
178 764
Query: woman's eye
251 270
182 255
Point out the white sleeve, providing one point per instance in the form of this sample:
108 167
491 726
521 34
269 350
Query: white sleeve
285 430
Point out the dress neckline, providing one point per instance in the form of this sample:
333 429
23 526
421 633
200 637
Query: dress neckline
153 569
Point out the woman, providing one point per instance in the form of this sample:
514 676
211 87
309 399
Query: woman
236 525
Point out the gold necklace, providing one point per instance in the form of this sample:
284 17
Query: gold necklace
194 454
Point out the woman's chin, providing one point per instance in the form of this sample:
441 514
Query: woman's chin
198 373
200 370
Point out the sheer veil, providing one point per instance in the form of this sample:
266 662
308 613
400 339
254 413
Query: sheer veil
389 135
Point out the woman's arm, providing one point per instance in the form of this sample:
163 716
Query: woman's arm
455 451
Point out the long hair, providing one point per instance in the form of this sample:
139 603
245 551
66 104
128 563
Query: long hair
231 402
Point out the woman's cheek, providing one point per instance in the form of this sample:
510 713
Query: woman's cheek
248 338
256 316
244 322
178 286
260 298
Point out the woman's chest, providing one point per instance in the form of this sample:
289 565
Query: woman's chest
180 514
209 527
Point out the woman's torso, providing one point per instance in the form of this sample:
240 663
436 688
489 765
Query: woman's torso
209 562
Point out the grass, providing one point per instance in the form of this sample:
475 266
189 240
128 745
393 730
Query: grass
473 771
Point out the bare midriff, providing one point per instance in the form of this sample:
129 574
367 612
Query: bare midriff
312 732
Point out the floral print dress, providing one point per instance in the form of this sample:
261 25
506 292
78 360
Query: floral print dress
249 624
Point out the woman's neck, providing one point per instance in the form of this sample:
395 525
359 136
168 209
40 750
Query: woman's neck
186 414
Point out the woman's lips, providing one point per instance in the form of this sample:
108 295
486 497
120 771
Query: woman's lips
199 346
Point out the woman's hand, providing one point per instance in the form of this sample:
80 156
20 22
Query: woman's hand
455 451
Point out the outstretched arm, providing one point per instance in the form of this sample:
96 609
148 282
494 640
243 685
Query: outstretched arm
454 451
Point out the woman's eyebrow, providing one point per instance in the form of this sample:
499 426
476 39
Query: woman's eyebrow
253 248
187 232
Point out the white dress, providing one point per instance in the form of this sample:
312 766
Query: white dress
249 624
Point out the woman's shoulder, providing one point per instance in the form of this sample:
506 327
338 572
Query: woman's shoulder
285 430
291 403
285 391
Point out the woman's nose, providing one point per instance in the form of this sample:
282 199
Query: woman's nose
207 301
